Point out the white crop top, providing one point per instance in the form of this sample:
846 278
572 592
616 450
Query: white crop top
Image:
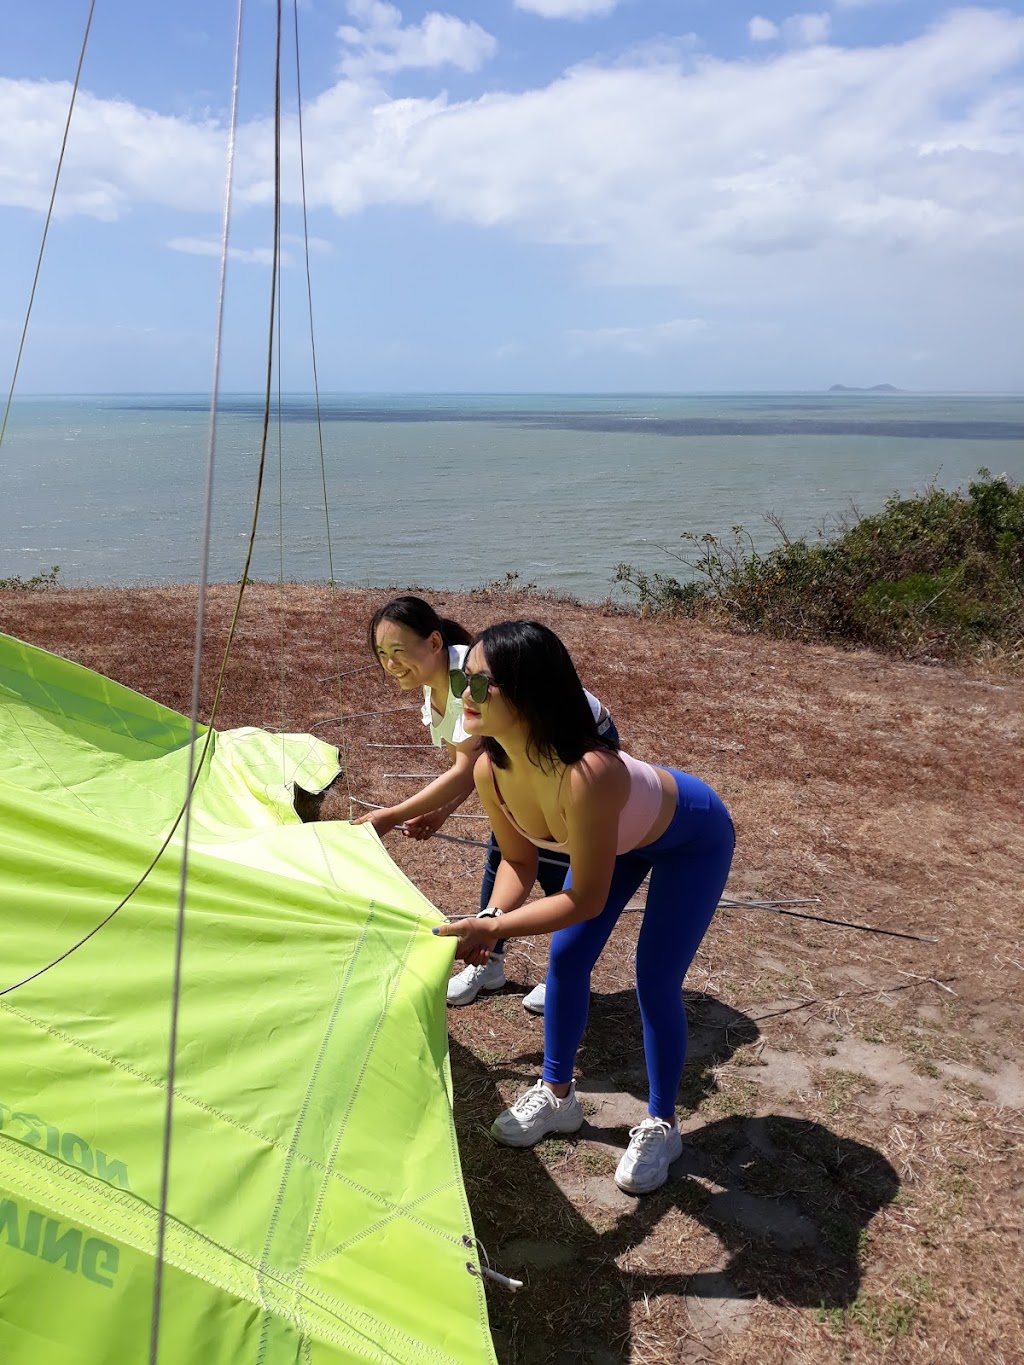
447 728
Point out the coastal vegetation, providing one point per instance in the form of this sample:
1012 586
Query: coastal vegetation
37 583
939 575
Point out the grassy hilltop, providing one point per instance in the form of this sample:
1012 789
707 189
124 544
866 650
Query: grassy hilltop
851 1101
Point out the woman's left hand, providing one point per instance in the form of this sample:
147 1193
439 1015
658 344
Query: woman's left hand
476 937
382 821
424 826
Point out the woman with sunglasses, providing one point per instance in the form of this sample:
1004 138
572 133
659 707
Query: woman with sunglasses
548 780
418 648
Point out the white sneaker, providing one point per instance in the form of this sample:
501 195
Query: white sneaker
534 1002
464 988
653 1146
536 1114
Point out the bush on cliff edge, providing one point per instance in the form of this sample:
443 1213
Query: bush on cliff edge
938 575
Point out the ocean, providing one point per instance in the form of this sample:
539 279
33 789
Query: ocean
453 491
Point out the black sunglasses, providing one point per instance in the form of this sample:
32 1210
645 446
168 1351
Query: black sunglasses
479 684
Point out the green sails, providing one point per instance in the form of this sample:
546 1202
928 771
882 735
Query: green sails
315 1209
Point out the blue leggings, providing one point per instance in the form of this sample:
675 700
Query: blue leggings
689 865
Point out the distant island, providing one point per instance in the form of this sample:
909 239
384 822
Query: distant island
875 388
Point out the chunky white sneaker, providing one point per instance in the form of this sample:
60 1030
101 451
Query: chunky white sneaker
534 1002
653 1146
536 1114
464 988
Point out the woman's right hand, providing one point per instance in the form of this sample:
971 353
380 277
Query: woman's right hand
424 826
476 938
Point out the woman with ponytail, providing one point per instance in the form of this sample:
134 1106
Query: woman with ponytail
418 648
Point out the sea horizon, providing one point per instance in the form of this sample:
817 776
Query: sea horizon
875 390
453 491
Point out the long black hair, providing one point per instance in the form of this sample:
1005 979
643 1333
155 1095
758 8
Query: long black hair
537 676
419 617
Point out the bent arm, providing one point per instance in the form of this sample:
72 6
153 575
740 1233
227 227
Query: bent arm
446 792
597 793
517 871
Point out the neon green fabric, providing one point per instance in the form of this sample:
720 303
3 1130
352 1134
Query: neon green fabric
316 1206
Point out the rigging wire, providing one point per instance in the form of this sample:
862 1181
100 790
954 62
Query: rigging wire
362 668
282 616
236 614
49 216
332 583
775 905
179 932
60 162
778 907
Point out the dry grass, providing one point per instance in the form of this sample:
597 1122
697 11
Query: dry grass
853 1180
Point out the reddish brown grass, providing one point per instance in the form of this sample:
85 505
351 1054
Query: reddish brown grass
854 1164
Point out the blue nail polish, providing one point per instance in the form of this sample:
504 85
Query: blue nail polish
435 930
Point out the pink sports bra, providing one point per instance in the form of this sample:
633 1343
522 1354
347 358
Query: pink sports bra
635 819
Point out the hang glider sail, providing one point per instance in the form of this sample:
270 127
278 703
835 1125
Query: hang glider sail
315 1210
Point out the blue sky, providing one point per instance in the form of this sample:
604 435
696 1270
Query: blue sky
681 195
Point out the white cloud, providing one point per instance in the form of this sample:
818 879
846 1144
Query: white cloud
318 246
509 350
208 246
668 173
637 340
647 165
382 44
256 255
863 4
567 9
117 155
807 29
761 30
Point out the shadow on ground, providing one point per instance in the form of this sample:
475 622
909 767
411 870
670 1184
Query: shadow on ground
765 1206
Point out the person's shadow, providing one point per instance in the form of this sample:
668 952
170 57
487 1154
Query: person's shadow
769 1206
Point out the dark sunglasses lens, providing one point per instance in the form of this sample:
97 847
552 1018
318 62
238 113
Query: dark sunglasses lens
479 684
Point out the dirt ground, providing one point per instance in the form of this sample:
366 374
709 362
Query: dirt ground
852 1182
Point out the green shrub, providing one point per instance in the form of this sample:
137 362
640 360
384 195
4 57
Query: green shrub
39 583
940 574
